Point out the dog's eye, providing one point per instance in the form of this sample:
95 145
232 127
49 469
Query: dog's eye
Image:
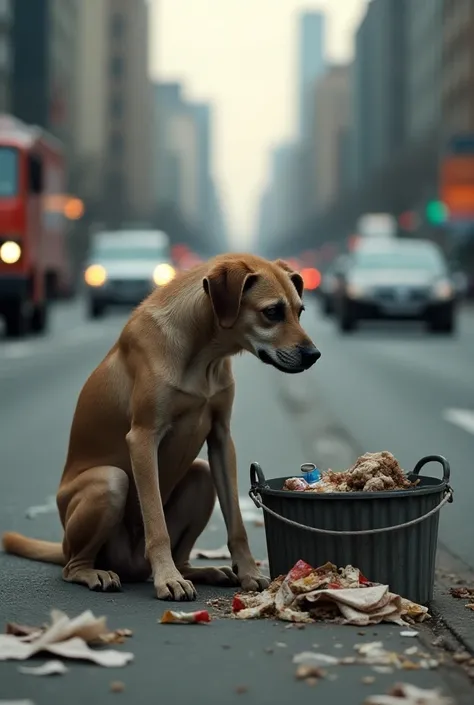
274 313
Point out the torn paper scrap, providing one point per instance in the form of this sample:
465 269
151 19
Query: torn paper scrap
49 507
69 638
221 553
198 617
49 668
407 694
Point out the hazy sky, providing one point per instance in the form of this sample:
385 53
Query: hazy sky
241 56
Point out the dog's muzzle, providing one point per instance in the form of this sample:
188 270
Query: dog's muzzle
292 360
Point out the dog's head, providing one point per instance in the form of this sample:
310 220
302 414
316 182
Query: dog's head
258 304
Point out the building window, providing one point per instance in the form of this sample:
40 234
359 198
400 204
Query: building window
117 25
116 107
116 66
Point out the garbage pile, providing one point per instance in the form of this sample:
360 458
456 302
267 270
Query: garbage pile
372 472
327 593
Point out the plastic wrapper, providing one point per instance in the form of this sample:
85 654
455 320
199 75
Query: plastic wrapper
372 472
328 593
199 617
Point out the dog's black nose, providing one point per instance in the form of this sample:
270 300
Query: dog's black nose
309 355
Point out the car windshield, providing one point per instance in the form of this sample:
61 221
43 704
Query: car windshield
8 172
426 259
130 253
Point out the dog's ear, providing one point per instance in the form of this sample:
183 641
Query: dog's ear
296 278
225 285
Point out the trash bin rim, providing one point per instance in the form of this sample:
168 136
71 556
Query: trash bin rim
433 486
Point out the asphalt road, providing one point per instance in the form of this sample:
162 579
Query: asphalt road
393 387
226 661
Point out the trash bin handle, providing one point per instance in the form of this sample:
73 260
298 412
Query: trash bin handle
434 459
257 500
257 478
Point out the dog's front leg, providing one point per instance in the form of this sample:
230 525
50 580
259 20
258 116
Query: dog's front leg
143 441
223 465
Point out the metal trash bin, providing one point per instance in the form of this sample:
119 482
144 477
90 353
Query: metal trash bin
390 536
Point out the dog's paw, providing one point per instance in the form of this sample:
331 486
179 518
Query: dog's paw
254 582
220 576
174 587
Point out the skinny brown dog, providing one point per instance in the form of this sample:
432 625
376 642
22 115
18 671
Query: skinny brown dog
134 496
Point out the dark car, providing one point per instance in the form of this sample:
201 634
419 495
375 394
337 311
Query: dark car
330 283
399 280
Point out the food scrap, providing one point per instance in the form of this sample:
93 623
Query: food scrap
372 472
117 687
69 638
407 694
327 593
198 617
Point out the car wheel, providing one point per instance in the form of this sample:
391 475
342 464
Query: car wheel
347 323
96 309
39 319
443 324
16 320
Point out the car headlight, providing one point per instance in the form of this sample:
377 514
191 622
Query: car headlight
355 291
163 274
95 275
10 252
443 290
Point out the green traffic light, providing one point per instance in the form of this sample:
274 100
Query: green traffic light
436 212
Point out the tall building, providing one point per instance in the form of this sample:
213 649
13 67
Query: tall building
279 203
425 60
458 67
43 40
6 19
332 113
184 159
379 88
115 110
311 61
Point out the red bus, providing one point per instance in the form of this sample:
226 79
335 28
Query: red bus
34 264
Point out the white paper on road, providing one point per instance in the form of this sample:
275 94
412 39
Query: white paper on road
49 507
49 668
221 553
69 638
407 694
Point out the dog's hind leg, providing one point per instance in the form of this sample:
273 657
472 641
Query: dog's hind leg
92 508
187 514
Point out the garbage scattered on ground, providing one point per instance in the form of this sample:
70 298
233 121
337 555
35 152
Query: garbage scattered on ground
310 674
372 472
327 593
49 668
371 654
221 553
409 633
407 694
67 638
198 617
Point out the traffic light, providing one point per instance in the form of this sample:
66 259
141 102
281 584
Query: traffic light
436 212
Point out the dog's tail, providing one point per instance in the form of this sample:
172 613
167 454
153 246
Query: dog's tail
34 549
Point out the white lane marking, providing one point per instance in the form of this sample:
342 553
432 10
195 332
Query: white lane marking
464 418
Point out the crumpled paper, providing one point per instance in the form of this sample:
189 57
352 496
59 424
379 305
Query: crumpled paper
327 593
407 694
67 638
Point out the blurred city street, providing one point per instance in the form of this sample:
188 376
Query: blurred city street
364 387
